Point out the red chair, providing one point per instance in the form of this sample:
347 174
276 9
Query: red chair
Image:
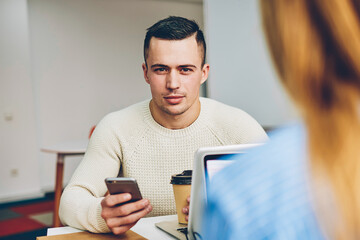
91 131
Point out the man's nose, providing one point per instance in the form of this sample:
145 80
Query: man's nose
173 80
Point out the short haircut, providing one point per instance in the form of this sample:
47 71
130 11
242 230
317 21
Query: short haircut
175 28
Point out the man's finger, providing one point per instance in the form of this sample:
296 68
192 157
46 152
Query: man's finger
121 229
129 208
113 200
129 219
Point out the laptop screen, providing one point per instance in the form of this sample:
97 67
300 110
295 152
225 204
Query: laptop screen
214 163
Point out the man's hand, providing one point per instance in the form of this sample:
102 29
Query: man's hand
185 210
121 216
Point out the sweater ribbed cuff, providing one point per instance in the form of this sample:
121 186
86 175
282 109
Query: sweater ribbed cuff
97 223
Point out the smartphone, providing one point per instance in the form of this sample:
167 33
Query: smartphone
124 185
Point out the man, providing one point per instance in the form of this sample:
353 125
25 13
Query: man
154 139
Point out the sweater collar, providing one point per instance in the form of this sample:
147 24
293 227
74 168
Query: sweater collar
190 130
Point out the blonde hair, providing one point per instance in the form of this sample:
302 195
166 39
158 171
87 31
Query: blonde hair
315 46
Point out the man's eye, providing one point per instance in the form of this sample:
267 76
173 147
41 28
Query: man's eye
186 69
160 69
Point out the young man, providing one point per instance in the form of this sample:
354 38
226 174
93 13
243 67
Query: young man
154 139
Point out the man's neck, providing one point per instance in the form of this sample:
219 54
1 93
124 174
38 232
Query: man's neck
176 121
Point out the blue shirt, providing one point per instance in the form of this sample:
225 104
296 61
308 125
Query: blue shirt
265 193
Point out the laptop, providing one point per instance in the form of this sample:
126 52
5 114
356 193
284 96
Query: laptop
207 162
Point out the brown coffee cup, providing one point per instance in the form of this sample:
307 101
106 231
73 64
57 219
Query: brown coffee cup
182 189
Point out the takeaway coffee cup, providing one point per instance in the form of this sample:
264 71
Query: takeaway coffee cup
182 188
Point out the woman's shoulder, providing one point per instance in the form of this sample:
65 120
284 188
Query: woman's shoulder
282 157
268 186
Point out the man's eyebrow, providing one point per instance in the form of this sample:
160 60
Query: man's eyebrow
187 65
180 66
159 65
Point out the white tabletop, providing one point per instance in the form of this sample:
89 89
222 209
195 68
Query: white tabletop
145 227
70 147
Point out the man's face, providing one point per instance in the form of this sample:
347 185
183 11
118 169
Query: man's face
175 75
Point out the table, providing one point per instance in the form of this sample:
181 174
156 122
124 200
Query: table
71 148
144 227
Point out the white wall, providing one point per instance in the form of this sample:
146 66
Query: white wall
19 171
241 70
86 58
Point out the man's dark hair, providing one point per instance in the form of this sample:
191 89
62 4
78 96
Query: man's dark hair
175 28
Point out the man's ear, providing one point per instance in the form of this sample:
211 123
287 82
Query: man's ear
144 67
205 73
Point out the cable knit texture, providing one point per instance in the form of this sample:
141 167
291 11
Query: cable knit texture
131 143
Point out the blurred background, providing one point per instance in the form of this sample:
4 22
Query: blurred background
64 64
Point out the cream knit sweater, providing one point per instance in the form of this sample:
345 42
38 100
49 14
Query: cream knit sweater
132 141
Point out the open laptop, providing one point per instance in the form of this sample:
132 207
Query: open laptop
207 162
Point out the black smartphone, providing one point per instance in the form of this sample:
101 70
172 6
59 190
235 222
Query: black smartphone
124 185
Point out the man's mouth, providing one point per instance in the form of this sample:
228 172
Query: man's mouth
174 99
